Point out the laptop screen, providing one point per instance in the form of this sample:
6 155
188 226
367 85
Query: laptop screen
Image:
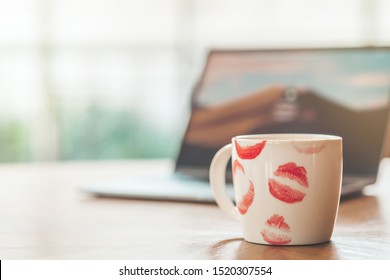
331 91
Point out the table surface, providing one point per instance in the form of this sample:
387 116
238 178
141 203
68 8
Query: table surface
44 215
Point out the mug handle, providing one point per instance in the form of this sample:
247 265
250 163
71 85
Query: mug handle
218 183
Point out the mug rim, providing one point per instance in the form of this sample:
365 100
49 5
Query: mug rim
288 137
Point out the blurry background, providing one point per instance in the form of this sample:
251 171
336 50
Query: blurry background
102 79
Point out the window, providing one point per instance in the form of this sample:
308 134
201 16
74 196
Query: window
84 79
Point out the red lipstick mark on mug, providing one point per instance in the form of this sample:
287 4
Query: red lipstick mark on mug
284 192
292 171
276 231
249 152
308 150
246 200
237 166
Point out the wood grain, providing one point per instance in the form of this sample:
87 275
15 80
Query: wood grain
43 215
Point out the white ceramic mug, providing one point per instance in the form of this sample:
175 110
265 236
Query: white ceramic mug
287 186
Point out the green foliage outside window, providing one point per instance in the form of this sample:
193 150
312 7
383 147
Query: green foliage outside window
93 133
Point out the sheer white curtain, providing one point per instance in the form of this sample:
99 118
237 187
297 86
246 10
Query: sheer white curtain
90 79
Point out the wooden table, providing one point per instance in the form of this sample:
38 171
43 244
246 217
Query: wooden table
43 215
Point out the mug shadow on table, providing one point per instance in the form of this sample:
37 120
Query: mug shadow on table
360 223
238 248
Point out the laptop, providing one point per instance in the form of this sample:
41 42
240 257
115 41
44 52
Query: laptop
340 91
